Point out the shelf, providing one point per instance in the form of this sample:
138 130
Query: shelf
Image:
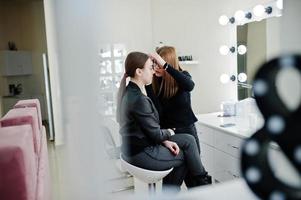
189 62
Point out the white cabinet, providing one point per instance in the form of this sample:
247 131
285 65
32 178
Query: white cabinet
15 63
219 153
207 157
221 147
227 143
226 167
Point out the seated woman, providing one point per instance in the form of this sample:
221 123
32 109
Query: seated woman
144 143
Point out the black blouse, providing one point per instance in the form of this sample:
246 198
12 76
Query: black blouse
175 112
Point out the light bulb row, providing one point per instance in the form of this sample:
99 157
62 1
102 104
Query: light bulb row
225 78
241 49
258 11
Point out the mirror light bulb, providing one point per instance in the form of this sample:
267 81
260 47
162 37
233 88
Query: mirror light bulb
239 15
224 50
242 77
223 20
242 49
258 10
224 78
279 4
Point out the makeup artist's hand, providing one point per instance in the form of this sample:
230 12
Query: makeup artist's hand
157 59
172 146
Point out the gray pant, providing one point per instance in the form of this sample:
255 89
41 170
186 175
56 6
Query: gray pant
191 129
160 158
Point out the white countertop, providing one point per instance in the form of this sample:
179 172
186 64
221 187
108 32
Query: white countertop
243 127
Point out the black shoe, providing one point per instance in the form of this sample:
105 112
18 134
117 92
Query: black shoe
207 180
203 180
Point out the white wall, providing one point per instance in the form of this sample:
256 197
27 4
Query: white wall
190 25
273 31
77 30
127 22
291 27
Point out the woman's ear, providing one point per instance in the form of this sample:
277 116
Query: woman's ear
138 72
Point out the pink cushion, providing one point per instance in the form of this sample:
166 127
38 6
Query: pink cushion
18 171
43 189
31 103
23 116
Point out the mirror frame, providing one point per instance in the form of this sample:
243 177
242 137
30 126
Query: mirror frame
275 12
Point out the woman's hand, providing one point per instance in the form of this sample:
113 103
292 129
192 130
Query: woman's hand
172 146
157 59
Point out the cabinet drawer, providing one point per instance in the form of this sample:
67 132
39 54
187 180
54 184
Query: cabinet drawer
227 167
207 157
205 134
228 143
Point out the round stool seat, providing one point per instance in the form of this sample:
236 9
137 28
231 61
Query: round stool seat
145 175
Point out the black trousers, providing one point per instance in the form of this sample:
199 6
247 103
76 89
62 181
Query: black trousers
192 131
160 158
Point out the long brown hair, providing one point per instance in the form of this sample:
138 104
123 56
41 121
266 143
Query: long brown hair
168 86
133 61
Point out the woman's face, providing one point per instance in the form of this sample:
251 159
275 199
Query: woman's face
159 71
148 71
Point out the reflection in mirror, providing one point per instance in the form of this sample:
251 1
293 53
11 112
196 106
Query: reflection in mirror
262 41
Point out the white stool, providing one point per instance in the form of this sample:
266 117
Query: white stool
147 176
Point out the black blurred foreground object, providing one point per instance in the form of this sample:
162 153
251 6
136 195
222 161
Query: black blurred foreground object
282 126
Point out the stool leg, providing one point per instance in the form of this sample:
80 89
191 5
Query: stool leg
152 188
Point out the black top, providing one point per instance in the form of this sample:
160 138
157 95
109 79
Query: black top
139 122
175 112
